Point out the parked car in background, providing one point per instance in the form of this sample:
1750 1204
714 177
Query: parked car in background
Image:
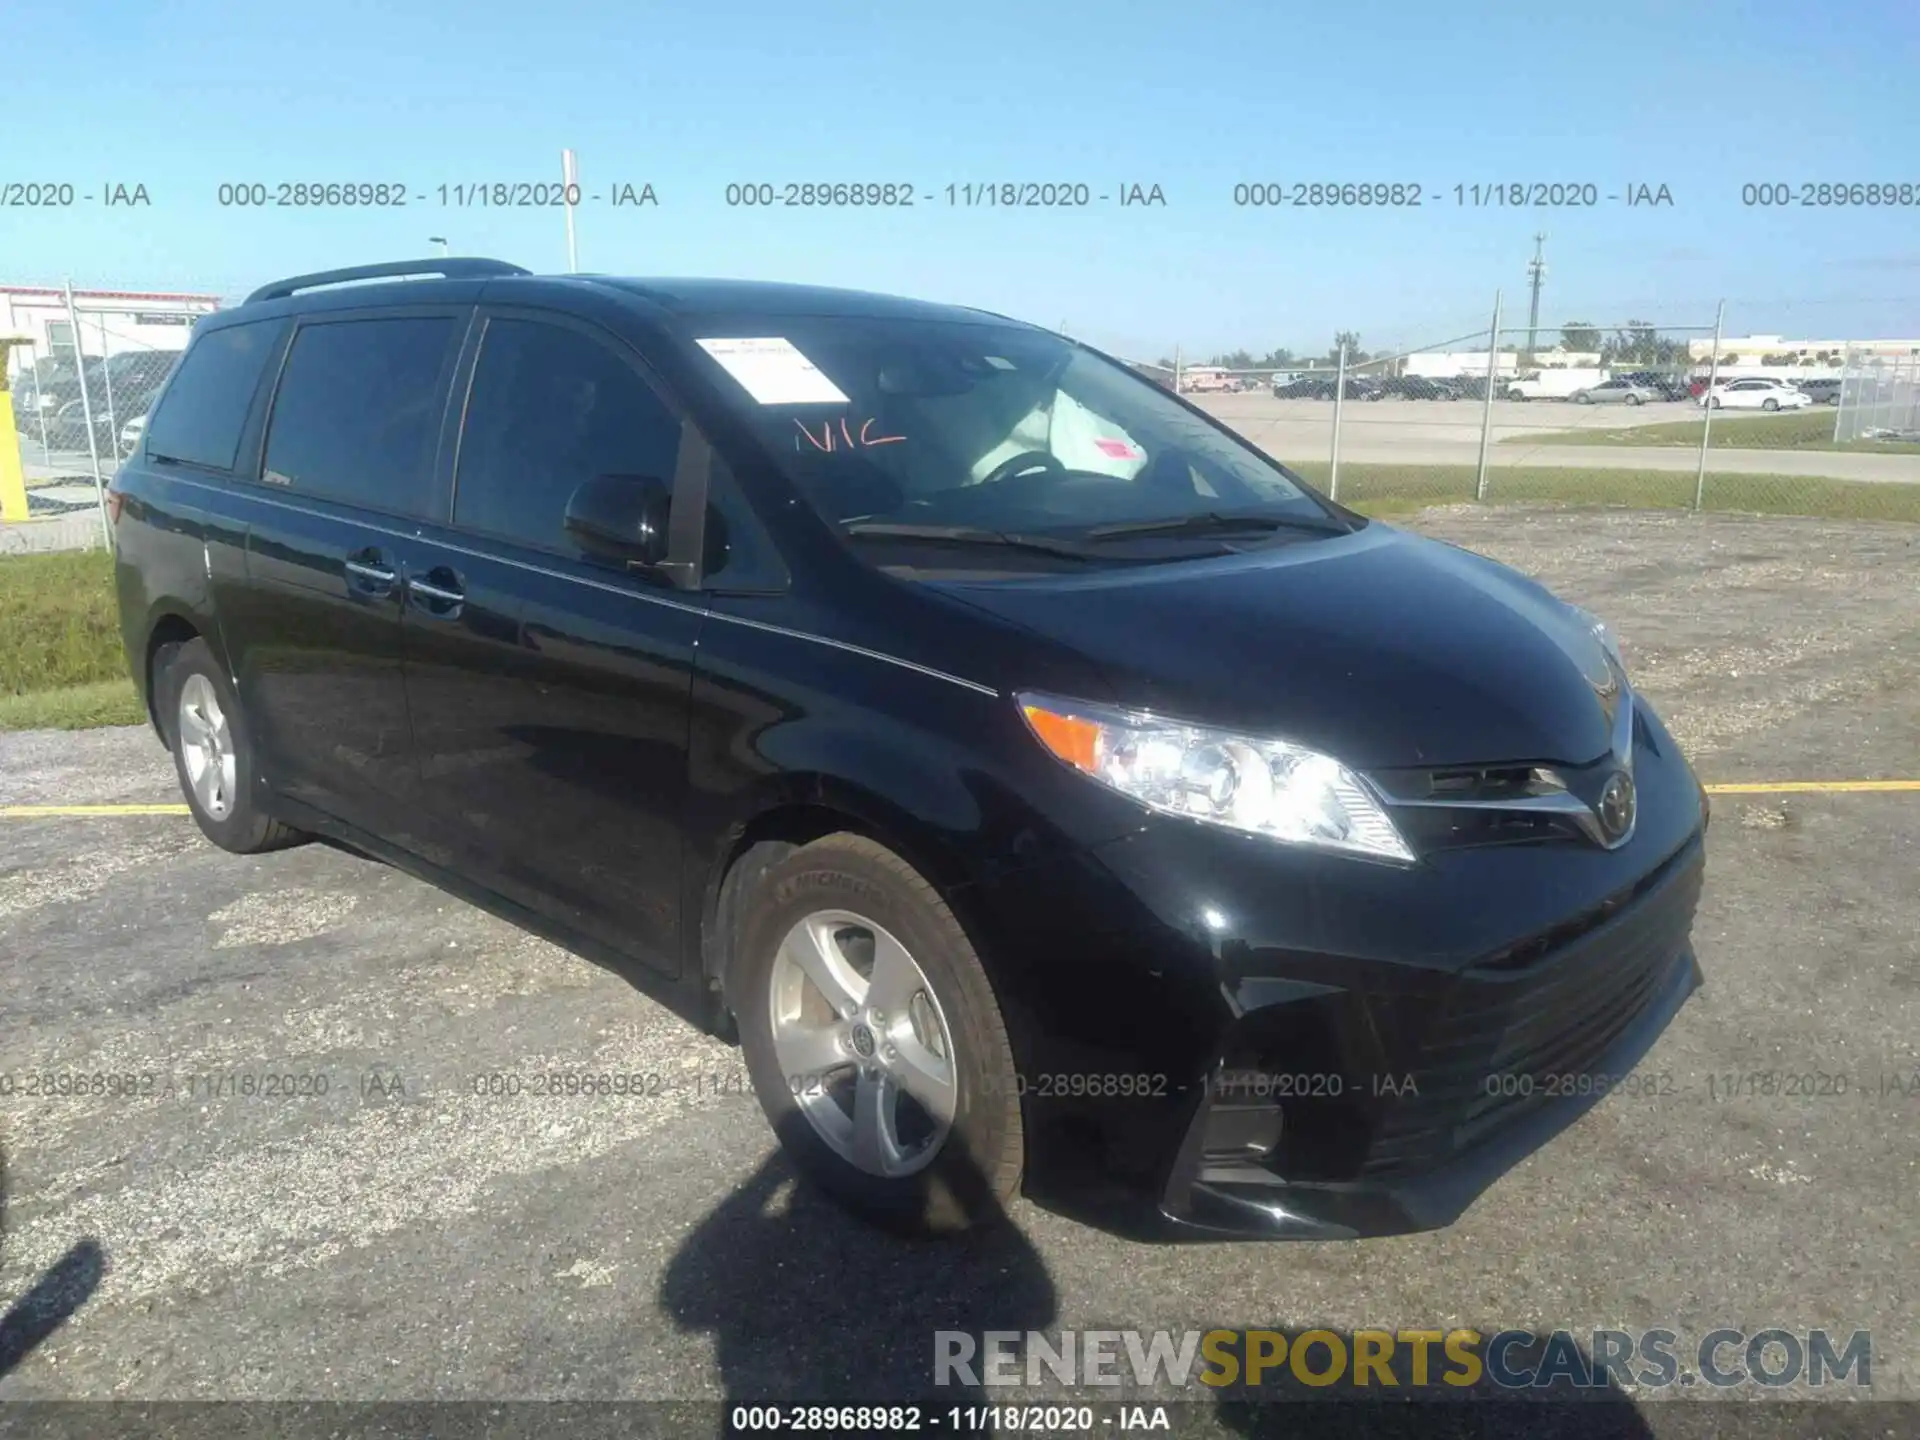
1618 391
1821 392
1305 387
1474 387
1322 387
1419 387
928 771
1755 394
43 390
1666 386
118 388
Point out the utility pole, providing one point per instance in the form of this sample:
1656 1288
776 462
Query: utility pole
570 196
1537 271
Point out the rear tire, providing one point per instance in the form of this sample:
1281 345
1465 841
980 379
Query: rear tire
1769 404
212 751
823 911
1633 400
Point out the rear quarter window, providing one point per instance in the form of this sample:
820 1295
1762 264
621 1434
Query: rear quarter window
203 411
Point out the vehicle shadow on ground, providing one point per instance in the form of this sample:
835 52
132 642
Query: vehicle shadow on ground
66 1285
1449 1410
808 1304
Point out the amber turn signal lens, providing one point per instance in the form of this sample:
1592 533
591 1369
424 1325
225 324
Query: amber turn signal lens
1074 740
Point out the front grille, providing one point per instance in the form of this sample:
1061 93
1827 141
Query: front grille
1476 784
1512 1028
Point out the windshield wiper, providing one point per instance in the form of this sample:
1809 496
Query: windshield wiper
1213 522
967 535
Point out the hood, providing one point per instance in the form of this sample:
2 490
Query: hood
1380 648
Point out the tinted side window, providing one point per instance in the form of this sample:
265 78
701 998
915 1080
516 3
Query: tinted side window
200 419
550 409
359 410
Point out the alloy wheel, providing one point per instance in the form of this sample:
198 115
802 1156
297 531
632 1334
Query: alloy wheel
206 747
863 1042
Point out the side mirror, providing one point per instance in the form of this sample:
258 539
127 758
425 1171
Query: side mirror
621 518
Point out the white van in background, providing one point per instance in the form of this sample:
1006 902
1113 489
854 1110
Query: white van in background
1552 384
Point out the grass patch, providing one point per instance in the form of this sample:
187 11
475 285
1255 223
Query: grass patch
76 707
61 621
1378 489
1795 430
61 664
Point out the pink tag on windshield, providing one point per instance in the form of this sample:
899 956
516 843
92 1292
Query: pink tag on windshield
1118 449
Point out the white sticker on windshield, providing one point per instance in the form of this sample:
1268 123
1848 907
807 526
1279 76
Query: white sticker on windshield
773 372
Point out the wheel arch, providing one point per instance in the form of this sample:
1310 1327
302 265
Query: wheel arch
166 629
806 809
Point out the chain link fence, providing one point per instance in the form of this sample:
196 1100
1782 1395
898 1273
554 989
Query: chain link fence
1879 399
1623 412
80 389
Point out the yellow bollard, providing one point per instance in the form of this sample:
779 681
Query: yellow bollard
13 480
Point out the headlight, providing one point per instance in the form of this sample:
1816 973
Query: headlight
1264 787
1608 640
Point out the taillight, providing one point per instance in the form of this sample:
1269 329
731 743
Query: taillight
115 501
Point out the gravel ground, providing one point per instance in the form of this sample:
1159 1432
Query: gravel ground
399 1237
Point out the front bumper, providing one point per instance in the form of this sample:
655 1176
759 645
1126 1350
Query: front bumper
1510 1058
1313 1047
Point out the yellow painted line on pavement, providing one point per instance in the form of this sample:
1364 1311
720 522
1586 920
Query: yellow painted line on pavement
61 812
1758 787
1813 787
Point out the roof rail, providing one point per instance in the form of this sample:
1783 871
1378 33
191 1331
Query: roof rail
451 269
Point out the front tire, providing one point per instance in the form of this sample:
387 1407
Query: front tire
1769 404
875 1044
213 753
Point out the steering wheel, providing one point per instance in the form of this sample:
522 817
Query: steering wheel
1019 464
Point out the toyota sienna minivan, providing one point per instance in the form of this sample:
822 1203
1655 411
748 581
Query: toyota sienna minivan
1049 790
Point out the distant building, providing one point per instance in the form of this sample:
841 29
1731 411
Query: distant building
111 321
1450 363
1776 351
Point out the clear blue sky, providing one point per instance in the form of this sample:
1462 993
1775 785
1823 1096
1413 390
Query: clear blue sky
1698 95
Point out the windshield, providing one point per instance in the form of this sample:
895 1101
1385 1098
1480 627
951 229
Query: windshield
988 427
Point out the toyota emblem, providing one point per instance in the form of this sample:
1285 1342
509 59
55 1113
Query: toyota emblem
1616 807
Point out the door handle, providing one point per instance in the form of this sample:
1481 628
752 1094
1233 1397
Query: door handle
438 594
369 574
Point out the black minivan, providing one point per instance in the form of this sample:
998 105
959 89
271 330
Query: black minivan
1047 788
